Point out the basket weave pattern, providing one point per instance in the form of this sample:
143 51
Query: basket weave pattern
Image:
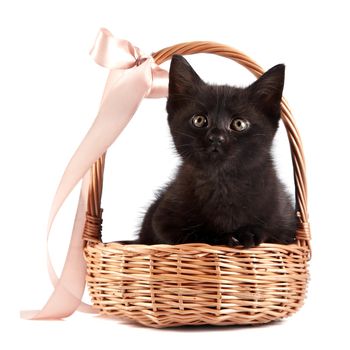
192 284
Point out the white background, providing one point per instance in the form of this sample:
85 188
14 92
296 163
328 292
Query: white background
50 90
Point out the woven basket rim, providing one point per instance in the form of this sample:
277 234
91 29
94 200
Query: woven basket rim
201 246
195 249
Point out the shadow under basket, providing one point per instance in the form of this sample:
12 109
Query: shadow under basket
195 284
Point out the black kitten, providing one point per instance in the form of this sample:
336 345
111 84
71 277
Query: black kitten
226 190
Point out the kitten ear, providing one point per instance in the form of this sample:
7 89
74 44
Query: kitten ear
267 91
182 77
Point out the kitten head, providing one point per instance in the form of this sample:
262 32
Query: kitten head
216 125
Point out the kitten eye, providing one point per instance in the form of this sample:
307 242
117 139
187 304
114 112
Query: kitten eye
199 121
239 124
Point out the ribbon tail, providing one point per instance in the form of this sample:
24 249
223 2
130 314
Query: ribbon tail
69 289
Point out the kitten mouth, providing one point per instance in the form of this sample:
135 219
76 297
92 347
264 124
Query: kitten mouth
215 149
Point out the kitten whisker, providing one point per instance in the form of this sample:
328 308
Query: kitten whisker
184 134
183 145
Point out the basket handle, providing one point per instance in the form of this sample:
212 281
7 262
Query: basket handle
94 212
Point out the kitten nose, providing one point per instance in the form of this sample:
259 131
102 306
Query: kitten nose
216 137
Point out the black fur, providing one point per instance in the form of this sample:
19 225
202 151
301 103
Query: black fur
226 190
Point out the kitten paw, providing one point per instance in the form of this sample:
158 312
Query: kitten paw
232 241
249 238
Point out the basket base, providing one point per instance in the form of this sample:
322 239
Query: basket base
183 321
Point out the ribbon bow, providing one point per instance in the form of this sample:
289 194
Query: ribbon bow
132 77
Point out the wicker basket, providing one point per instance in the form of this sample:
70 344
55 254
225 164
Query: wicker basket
193 284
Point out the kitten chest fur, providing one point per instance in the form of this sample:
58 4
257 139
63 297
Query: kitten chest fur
224 198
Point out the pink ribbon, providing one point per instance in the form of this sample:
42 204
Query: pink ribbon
132 77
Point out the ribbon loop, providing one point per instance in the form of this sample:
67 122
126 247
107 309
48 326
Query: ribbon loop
113 53
132 77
